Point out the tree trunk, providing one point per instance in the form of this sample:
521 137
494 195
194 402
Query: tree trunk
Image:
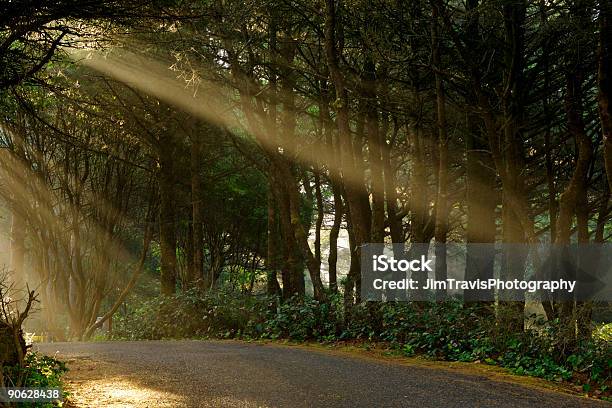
356 197
12 343
513 264
422 229
320 216
441 227
272 287
352 286
481 203
602 216
576 187
374 149
11 351
301 238
480 185
575 191
548 148
332 260
146 241
167 217
394 218
334 181
17 250
292 274
605 82
196 212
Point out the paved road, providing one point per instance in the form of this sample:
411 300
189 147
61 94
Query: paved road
234 374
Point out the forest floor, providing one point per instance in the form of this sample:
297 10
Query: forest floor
239 374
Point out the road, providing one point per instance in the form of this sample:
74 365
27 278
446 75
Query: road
236 374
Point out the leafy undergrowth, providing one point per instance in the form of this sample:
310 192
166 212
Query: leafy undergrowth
448 331
38 371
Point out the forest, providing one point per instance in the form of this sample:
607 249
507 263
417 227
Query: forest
214 168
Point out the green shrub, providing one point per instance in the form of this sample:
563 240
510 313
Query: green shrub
448 331
224 313
303 319
38 371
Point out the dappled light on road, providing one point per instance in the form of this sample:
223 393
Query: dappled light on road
89 388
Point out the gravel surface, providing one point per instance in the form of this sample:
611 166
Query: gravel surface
235 374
